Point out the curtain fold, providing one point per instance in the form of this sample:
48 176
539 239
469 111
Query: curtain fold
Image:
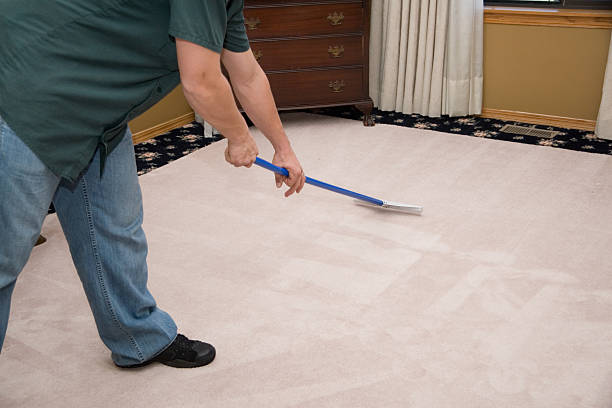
426 56
604 121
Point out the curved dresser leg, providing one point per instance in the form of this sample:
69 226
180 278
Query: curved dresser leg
366 109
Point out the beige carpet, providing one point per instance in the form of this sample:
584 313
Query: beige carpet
499 296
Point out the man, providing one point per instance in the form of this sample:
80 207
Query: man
72 74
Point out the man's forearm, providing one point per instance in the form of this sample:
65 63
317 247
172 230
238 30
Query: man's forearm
212 99
256 99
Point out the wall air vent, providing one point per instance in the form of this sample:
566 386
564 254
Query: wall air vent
529 131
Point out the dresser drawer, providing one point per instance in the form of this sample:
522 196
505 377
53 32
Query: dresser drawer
317 87
300 20
309 53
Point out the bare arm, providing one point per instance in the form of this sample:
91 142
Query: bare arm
210 95
252 89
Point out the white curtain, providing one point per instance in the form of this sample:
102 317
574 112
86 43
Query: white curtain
604 122
426 56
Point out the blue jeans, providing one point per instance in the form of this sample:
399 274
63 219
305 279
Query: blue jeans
102 221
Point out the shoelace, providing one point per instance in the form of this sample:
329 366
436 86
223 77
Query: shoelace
182 346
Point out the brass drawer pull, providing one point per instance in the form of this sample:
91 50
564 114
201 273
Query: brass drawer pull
252 22
336 18
336 51
258 54
337 86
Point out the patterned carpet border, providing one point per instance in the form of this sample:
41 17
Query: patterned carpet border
171 146
571 139
179 142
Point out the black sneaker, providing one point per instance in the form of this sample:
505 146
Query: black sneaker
183 353
40 240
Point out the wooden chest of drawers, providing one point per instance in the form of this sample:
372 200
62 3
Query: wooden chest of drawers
314 52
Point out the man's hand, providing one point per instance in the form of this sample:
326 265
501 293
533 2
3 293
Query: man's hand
241 151
296 179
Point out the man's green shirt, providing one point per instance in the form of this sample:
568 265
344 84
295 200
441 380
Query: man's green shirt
73 73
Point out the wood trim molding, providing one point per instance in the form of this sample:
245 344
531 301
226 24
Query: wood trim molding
548 17
539 119
157 130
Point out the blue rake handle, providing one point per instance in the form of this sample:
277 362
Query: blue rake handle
320 184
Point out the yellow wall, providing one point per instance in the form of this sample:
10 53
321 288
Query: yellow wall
171 107
548 70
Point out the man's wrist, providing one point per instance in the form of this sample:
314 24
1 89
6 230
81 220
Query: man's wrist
282 147
280 142
237 134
